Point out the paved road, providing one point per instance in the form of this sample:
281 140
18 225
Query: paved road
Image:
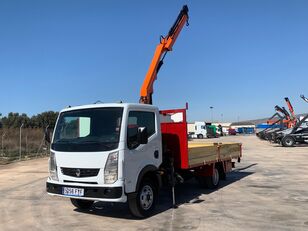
267 191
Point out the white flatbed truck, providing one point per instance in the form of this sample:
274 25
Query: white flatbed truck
125 152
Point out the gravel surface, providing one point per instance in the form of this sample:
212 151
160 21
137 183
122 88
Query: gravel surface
268 190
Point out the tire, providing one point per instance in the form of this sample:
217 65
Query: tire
200 136
142 203
222 174
210 182
82 204
288 141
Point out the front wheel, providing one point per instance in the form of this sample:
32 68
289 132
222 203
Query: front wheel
143 203
82 204
288 141
200 136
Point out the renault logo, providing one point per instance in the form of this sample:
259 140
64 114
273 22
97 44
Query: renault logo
77 172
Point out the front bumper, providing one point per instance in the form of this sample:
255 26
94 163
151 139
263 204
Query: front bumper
110 194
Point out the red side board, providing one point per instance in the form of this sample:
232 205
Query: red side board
174 135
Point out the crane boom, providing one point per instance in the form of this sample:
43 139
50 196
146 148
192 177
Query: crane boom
293 116
284 118
304 98
290 107
162 48
283 111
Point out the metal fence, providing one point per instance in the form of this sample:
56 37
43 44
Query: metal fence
22 144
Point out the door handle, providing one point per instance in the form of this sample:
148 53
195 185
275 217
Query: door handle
156 154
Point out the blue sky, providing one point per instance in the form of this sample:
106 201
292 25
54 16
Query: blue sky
241 57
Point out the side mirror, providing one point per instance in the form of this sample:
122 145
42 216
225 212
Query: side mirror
47 136
136 136
142 135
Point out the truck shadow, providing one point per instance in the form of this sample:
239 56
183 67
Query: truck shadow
295 146
188 192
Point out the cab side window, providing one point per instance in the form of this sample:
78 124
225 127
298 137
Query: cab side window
137 119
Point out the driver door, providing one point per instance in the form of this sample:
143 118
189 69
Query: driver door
139 156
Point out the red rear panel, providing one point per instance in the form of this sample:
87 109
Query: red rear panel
174 135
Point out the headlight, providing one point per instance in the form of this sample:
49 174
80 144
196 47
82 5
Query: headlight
111 168
53 173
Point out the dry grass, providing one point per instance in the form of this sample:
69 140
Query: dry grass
32 144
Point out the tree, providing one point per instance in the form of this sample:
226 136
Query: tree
44 119
15 120
1 120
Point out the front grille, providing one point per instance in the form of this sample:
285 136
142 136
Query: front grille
80 182
80 172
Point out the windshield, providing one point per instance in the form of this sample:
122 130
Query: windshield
95 129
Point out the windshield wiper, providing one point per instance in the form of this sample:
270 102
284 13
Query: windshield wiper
104 144
65 142
62 141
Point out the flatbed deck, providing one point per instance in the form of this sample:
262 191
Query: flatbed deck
206 153
191 154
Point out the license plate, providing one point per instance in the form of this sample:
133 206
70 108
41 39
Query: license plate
79 192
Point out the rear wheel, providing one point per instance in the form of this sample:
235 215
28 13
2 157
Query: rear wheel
210 182
143 203
200 136
221 171
82 204
288 141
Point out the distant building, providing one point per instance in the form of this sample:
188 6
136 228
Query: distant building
224 125
244 127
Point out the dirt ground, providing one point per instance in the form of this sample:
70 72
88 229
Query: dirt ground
268 190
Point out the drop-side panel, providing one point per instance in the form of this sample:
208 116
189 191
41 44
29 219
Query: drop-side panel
200 155
230 151
203 153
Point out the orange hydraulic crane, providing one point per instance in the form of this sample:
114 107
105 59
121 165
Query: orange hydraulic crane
292 122
283 119
289 119
162 48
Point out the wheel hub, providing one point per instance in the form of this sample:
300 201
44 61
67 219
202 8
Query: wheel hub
215 177
146 197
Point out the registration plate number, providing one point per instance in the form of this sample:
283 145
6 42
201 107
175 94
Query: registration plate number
79 192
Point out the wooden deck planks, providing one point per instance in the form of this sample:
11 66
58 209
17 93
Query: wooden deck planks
200 153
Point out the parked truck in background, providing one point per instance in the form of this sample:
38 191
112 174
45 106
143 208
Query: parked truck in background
200 130
204 130
296 134
125 152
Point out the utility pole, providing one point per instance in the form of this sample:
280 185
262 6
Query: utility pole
26 144
2 137
211 107
20 140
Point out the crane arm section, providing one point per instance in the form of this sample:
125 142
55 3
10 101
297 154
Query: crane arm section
304 98
283 111
293 120
166 44
290 107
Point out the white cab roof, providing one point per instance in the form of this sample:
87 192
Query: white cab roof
101 105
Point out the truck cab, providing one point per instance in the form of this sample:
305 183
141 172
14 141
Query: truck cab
94 146
200 130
